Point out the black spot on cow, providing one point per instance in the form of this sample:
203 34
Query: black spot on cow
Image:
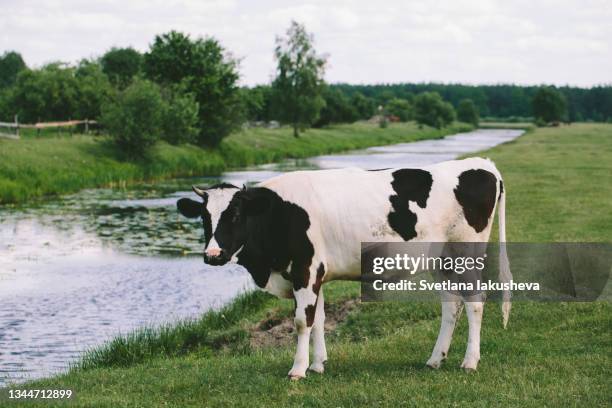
409 185
275 238
316 287
310 314
386 168
193 209
319 280
501 189
476 192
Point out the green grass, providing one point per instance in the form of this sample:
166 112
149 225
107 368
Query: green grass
552 354
558 183
41 166
505 125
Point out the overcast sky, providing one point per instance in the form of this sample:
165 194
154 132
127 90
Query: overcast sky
477 41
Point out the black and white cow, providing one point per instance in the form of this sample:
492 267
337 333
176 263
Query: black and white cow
298 230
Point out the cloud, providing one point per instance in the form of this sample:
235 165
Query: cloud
473 41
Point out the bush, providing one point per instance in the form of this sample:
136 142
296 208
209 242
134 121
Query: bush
400 108
58 92
47 94
337 109
431 110
134 119
467 112
549 105
180 119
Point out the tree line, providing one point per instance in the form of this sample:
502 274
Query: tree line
185 90
499 101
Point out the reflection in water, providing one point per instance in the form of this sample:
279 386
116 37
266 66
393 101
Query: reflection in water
78 270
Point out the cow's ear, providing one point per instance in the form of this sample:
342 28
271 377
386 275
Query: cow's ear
255 204
190 208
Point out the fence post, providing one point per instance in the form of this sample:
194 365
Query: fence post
17 126
86 126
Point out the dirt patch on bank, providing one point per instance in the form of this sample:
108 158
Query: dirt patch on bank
276 331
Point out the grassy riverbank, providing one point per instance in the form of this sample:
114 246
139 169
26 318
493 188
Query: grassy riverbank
506 125
552 354
34 167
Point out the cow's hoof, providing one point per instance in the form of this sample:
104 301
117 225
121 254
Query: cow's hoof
295 375
434 363
317 368
469 365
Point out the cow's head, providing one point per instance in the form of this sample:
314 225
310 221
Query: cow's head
224 212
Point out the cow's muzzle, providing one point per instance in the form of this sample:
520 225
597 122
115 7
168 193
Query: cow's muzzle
216 256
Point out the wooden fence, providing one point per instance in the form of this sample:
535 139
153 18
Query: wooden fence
15 126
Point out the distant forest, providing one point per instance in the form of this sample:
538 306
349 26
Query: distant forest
497 101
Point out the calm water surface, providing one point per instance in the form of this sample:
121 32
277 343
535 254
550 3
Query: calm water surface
78 270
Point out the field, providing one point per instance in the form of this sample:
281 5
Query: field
57 164
552 354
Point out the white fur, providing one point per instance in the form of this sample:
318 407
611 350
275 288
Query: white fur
218 200
279 286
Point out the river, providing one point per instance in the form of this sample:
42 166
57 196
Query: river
78 270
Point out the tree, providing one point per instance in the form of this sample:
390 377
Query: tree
430 109
93 90
467 112
11 64
134 119
384 97
366 107
549 105
400 108
337 109
257 103
5 106
172 57
252 100
202 68
299 79
121 65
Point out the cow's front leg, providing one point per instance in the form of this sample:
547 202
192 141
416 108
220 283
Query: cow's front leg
319 356
305 306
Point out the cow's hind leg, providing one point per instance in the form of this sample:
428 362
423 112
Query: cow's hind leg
451 309
319 356
474 311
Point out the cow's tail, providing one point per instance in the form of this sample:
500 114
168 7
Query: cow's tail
505 276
